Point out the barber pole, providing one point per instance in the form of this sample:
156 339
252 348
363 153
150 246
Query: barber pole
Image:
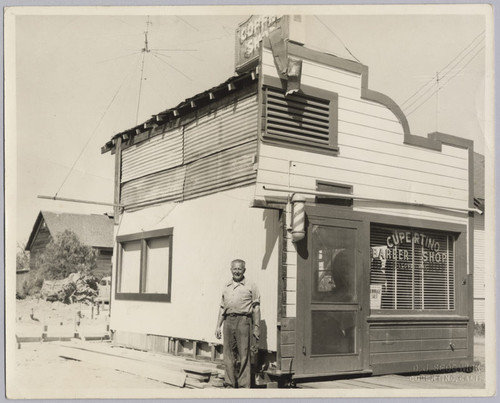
299 217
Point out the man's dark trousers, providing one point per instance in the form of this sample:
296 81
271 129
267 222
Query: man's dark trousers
237 348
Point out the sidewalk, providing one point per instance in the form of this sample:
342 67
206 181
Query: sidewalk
428 380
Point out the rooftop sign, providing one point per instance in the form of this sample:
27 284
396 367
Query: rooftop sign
249 36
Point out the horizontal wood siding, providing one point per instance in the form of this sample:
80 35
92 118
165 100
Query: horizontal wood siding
221 129
39 244
103 266
396 344
156 154
224 170
372 156
479 269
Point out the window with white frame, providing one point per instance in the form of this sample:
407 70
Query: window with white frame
145 266
411 269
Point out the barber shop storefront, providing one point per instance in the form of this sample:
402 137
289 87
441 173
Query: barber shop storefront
357 232
380 295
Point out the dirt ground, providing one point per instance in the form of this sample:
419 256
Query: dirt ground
58 319
40 372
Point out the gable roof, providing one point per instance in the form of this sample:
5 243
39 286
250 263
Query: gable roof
92 229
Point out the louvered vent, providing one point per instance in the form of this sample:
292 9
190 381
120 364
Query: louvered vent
301 118
413 269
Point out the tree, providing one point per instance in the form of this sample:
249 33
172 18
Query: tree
22 258
65 254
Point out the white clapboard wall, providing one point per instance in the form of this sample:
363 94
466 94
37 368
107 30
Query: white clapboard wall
479 269
372 156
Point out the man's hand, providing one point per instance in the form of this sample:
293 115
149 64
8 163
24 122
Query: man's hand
218 333
256 331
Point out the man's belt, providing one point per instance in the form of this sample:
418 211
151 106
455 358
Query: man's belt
239 314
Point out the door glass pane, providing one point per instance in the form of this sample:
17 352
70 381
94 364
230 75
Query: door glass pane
334 262
333 332
157 266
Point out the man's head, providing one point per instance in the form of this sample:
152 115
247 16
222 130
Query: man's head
238 269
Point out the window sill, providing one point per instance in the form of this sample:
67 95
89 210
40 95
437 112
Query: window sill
417 317
142 297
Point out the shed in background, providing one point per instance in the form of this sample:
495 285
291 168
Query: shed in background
93 230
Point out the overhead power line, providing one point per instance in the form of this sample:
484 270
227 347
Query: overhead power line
431 81
447 81
338 37
442 76
94 131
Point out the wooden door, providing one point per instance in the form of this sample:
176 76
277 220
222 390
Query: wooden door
330 316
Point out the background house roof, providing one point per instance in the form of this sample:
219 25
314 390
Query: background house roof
92 229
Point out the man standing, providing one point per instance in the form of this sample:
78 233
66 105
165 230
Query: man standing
240 312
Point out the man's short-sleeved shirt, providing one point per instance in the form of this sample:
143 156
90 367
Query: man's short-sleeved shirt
239 297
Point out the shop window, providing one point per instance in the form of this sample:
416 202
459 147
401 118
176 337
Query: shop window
306 120
145 265
411 269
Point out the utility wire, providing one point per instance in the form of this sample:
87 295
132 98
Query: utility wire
161 71
451 69
93 132
169 65
449 79
432 79
336 36
187 23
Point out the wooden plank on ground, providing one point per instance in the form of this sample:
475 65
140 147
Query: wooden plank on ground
177 361
146 370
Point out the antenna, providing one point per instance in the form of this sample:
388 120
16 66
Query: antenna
146 32
145 50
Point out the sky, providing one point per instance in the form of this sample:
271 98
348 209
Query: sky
77 82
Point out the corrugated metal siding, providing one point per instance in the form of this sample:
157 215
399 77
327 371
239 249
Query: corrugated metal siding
479 268
227 127
162 185
156 154
221 171
215 152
